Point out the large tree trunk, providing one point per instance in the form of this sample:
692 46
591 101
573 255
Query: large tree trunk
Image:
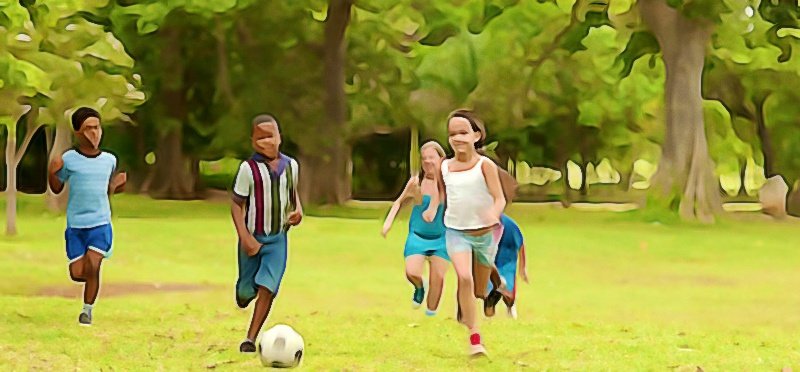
173 178
62 142
764 137
685 176
326 175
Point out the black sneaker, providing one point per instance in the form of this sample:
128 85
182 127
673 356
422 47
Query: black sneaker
244 302
419 296
247 346
85 319
490 302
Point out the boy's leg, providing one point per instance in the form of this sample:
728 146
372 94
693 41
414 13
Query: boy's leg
93 260
245 283
75 240
77 269
263 305
271 267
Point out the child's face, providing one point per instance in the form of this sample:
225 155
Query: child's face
266 139
461 136
90 133
430 160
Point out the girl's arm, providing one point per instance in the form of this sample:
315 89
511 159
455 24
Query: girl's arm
495 189
407 192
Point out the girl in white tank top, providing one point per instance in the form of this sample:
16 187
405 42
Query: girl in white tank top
475 202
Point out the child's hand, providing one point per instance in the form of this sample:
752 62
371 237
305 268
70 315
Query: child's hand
295 218
250 245
429 215
119 181
386 228
56 164
524 275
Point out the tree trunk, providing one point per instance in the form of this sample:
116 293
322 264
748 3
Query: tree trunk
566 201
326 175
584 186
763 135
63 140
685 177
173 177
11 181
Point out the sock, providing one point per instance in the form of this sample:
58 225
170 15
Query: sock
475 339
87 308
429 312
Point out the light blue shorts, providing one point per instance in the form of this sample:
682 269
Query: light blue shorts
483 246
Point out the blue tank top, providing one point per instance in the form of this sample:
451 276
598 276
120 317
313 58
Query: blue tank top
417 225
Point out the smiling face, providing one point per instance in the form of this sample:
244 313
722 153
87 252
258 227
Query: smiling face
267 139
461 136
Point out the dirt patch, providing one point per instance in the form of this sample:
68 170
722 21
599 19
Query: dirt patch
125 289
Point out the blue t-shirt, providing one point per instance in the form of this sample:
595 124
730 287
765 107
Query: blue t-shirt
88 178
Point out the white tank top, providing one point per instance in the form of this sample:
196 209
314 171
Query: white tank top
468 197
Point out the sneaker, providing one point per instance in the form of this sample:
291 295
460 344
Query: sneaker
244 302
476 348
419 296
490 302
430 312
512 311
85 319
247 346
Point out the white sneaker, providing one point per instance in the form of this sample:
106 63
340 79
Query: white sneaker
512 312
476 351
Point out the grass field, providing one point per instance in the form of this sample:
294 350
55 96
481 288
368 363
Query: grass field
608 292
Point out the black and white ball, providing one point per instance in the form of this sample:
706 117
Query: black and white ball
281 347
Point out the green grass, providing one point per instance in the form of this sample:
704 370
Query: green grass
608 292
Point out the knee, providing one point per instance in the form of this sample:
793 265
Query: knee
413 275
91 269
465 281
480 293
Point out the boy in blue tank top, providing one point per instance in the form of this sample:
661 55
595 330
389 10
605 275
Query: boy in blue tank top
90 173
510 255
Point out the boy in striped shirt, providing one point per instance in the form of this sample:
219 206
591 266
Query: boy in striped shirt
265 204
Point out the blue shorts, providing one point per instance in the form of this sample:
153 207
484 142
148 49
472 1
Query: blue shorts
426 246
484 247
80 240
507 270
265 269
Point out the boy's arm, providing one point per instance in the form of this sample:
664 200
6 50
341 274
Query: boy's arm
523 265
52 177
387 224
241 188
248 241
117 183
297 215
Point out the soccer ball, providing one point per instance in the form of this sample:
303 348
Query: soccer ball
281 347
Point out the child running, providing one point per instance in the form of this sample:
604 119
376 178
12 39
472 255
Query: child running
90 173
510 251
425 229
265 203
475 203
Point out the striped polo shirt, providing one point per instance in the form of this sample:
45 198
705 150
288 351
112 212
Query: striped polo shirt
269 193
